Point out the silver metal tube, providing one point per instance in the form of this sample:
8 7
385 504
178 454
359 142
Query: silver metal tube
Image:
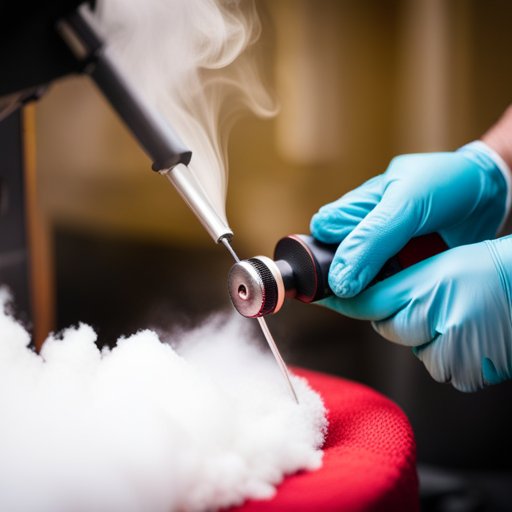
278 358
226 243
194 195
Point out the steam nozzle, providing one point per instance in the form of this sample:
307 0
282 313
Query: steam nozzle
194 195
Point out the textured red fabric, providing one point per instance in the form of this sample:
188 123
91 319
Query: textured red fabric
369 457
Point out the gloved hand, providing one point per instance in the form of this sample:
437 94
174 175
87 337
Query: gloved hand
454 308
462 195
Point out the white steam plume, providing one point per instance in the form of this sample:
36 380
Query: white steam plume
191 59
144 427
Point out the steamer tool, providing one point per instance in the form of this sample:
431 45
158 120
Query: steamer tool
300 269
168 153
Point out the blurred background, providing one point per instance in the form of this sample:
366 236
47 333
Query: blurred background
358 81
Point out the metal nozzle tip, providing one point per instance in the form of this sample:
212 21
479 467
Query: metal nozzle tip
256 287
225 241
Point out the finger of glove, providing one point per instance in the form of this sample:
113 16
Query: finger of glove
382 300
462 370
336 220
378 237
414 323
413 326
434 357
493 373
401 306
469 366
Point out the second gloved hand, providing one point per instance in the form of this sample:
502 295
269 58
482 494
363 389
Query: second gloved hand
462 195
453 308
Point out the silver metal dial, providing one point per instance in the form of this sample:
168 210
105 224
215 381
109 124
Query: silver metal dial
256 287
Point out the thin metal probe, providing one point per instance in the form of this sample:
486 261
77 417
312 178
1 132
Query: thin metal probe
267 334
226 243
277 356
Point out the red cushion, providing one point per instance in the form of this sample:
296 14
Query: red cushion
369 457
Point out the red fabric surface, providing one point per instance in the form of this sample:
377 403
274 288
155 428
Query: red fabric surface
369 457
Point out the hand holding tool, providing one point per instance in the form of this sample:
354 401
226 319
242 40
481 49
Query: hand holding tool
463 195
453 308
300 269
258 286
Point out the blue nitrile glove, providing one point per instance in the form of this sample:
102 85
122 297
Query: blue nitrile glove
454 308
463 195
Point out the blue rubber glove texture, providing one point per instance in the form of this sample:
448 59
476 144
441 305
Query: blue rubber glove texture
461 195
454 309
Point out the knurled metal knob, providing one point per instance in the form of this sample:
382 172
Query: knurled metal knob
256 287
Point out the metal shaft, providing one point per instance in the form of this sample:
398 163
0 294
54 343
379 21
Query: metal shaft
277 356
197 200
226 243
267 334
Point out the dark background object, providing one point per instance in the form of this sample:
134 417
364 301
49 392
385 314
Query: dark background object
14 264
31 51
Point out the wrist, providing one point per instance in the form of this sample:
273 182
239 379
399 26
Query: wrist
501 252
490 161
499 137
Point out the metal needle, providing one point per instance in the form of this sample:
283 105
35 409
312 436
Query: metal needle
277 356
226 243
267 334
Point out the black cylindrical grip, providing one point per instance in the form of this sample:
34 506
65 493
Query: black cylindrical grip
151 130
310 261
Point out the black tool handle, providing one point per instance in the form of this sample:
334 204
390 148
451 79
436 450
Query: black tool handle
152 131
304 263
154 134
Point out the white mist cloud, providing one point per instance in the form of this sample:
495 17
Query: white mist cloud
191 59
147 427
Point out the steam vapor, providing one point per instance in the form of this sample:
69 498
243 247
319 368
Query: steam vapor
144 426
192 59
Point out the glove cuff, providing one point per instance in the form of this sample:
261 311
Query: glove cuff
482 147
